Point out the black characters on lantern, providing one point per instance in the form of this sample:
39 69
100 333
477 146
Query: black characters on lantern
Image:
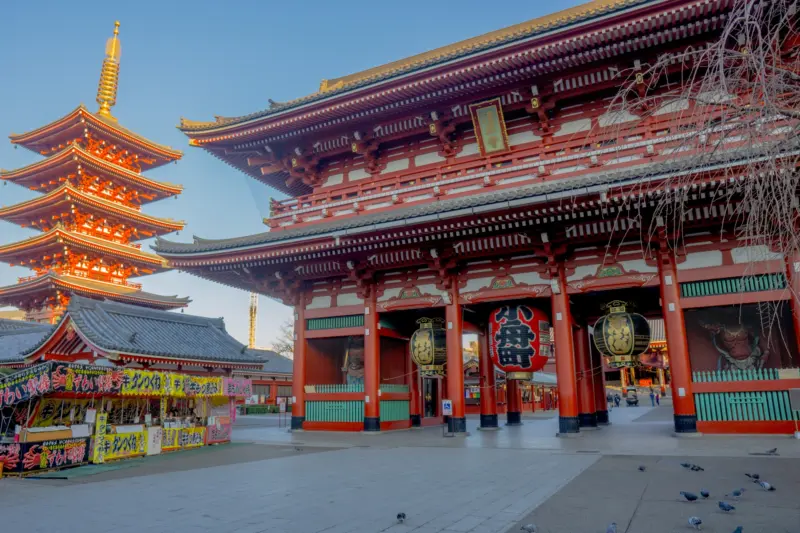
514 339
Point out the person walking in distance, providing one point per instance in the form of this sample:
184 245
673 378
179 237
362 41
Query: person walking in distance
652 398
658 399
610 400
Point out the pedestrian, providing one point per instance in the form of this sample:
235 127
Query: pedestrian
610 400
658 399
617 399
652 398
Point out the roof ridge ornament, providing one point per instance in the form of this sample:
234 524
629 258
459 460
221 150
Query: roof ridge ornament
109 76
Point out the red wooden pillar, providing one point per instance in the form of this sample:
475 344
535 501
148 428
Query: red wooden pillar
372 364
273 392
682 398
600 403
487 384
457 423
623 380
587 412
412 378
514 412
299 367
793 277
565 362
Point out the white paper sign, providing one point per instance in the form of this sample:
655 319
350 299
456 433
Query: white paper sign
154 436
447 407
681 391
91 416
282 407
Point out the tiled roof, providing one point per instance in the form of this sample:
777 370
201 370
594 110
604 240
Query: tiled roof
545 191
274 363
130 329
556 21
16 337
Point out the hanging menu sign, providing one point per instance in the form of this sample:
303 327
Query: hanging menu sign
86 379
237 387
25 384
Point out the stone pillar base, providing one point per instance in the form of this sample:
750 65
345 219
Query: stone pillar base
456 425
568 424
602 418
685 423
513 418
587 420
372 423
297 422
488 422
416 421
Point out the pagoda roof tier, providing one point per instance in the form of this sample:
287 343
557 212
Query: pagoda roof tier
27 214
80 121
54 241
512 57
51 172
131 333
43 286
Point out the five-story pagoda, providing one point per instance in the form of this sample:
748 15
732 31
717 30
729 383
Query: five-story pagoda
89 213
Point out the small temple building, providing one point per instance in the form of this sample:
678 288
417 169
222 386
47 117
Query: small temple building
89 212
486 187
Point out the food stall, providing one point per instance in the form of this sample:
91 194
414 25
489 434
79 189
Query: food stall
60 414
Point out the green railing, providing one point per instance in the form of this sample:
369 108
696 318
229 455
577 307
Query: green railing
334 388
714 287
393 410
386 387
744 406
735 375
335 322
335 411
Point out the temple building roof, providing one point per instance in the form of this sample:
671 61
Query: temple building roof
62 199
46 284
273 363
48 174
594 181
17 336
118 329
540 26
55 240
66 129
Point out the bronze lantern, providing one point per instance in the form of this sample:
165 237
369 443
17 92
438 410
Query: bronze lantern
620 336
429 346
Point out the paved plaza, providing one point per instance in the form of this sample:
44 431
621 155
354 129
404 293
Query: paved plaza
273 481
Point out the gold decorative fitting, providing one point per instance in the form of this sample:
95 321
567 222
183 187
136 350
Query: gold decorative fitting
109 75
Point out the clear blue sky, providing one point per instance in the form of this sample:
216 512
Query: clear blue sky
202 58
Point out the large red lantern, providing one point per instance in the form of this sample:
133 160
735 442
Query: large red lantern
519 340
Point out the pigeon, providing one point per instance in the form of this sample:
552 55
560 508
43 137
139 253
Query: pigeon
687 465
754 477
612 528
766 486
298 449
642 468
528 528
739 529
736 493
695 522
401 517
725 506
773 451
696 468
690 496
704 493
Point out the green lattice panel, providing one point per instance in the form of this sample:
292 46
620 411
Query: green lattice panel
743 406
335 411
393 410
335 322
714 287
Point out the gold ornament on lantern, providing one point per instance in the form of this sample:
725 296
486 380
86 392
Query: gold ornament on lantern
621 336
429 346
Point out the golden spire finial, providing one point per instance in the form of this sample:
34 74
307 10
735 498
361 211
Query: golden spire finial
109 75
